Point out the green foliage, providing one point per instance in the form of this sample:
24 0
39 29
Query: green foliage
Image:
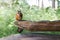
58 13
7 22
33 13
36 14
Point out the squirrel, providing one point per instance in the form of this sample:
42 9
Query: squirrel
19 16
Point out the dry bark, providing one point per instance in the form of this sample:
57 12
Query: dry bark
39 26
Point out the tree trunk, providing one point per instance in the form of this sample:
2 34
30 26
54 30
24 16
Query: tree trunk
58 3
53 3
42 4
38 3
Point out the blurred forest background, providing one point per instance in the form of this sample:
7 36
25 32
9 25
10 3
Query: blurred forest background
8 10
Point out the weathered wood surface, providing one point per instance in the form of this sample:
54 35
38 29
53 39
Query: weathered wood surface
39 26
31 37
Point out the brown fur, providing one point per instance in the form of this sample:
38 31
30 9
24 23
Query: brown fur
19 16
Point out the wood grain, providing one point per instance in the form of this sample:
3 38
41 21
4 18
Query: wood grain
39 26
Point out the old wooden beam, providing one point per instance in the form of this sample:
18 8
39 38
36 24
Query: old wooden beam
39 26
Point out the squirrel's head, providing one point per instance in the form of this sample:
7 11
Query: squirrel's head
19 12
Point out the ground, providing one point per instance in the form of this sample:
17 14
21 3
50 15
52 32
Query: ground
31 37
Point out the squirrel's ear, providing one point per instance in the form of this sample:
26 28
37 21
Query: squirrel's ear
19 11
